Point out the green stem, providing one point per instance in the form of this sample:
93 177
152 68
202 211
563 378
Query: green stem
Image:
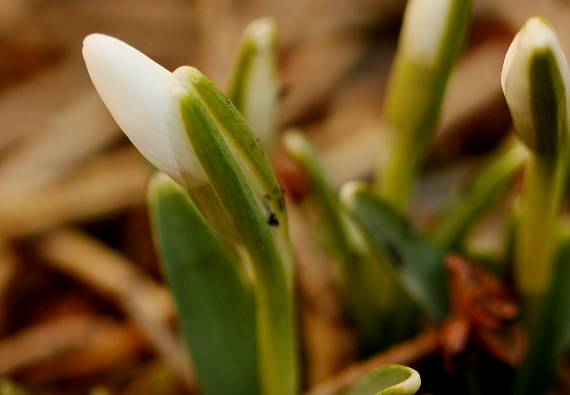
549 338
538 229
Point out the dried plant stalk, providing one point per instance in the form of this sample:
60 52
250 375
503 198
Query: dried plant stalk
145 302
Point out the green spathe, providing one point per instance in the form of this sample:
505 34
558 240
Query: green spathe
241 175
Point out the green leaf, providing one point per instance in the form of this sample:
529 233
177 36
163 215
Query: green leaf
213 297
388 380
488 186
331 211
375 301
419 263
550 337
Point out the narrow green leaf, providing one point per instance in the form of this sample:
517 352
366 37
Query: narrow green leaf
213 297
327 200
488 186
551 334
375 301
417 261
388 380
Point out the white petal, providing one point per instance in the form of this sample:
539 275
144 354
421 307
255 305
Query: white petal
423 27
138 93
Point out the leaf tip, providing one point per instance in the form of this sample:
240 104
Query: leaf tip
348 192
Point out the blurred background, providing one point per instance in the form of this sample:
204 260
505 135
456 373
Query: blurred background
83 309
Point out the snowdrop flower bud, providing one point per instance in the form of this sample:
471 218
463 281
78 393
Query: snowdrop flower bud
185 126
188 129
431 39
255 85
424 26
535 81
139 94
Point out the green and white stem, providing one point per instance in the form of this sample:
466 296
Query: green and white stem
189 130
431 38
255 85
535 81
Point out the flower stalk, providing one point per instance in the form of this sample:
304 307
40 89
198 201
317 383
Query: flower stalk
432 36
535 81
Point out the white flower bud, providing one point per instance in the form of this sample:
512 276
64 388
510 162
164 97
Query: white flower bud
423 28
141 96
255 85
535 80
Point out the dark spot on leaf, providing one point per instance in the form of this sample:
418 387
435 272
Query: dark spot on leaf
273 220
393 254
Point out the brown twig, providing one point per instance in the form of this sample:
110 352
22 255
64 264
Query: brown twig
93 193
71 135
45 93
7 269
404 353
47 340
144 301
112 346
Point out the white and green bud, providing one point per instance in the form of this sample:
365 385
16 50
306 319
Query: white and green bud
431 39
535 81
423 28
186 127
255 84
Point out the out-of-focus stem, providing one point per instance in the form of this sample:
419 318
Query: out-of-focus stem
487 187
538 229
431 38
368 288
